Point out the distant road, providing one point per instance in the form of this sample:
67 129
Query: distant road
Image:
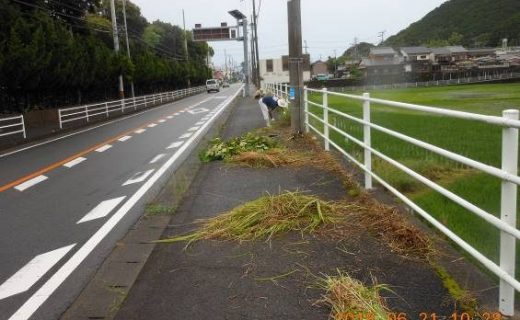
64 204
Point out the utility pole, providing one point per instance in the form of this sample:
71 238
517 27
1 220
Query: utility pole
128 46
257 54
246 58
295 65
306 47
253 59
382 36
116 45
225 61
186 45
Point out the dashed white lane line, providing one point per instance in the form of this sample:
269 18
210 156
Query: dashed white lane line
169 117
29 183
151 125
140 131
176 114
161 121
138 177
74 162
27 276
104 148
101 210
193 129
186 135
199 123
157 158
123 139
176 144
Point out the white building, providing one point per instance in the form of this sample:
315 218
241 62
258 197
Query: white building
277 70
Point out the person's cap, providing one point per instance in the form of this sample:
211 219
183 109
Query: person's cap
282 103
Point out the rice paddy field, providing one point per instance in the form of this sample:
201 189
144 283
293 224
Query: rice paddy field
476 140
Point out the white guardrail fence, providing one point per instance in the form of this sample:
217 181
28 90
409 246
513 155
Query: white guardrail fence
105 109
12 125
507 173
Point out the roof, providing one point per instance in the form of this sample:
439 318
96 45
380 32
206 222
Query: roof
382 51
457 49
416 50
441 51
367 62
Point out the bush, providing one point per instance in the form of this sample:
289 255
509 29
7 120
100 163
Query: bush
220 150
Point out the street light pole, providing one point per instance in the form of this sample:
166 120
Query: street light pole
186 45
246 57
116 44
128 46
255 22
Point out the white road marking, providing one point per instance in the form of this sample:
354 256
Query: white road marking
101 210
151 125
161 121
104 148
74 162
29 183
123 139
140 131
193 129
169 117
175 145
177 114
157 158
198 110
199 123
138 177
186 135
46 290
220 97
27 276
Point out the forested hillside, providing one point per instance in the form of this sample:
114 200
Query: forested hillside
61 52
474 23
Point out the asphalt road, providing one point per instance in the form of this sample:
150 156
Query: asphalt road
65 203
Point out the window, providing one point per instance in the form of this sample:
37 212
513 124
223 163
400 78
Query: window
269 65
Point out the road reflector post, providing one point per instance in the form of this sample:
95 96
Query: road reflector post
367 141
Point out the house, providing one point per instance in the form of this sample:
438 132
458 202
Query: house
482 52
382 54
319 67
441 55
416 53
458 53
277 70
417 60
383 65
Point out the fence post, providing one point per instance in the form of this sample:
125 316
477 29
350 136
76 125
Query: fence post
23 127
59 119
306 108
86 112
145 101
508 213
326 118
123 105
367 140
133 101
106 109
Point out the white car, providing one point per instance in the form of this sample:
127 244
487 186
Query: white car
212 85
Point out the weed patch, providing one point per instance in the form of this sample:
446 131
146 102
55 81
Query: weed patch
222 150
347 298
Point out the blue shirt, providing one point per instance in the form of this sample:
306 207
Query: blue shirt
270 102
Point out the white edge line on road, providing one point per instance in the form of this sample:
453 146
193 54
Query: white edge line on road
123 139
104 148
101 210
74 162
157 158
199 123
138 177
193 129
29 183
89 129
39 297
29 274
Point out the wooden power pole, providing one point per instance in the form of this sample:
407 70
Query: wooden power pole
295 65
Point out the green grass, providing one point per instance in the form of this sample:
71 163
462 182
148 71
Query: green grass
478 141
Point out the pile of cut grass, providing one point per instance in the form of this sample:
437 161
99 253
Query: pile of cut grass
348 298
267 216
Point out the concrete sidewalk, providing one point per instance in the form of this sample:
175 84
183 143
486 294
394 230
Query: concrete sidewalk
267 280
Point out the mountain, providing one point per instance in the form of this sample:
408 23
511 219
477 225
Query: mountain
474 23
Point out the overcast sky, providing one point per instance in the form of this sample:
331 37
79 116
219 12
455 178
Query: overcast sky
327 25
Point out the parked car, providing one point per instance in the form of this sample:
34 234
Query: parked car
322 76
225 84
212 85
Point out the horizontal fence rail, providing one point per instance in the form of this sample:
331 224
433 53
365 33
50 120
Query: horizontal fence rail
509 122
106 109
12 125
